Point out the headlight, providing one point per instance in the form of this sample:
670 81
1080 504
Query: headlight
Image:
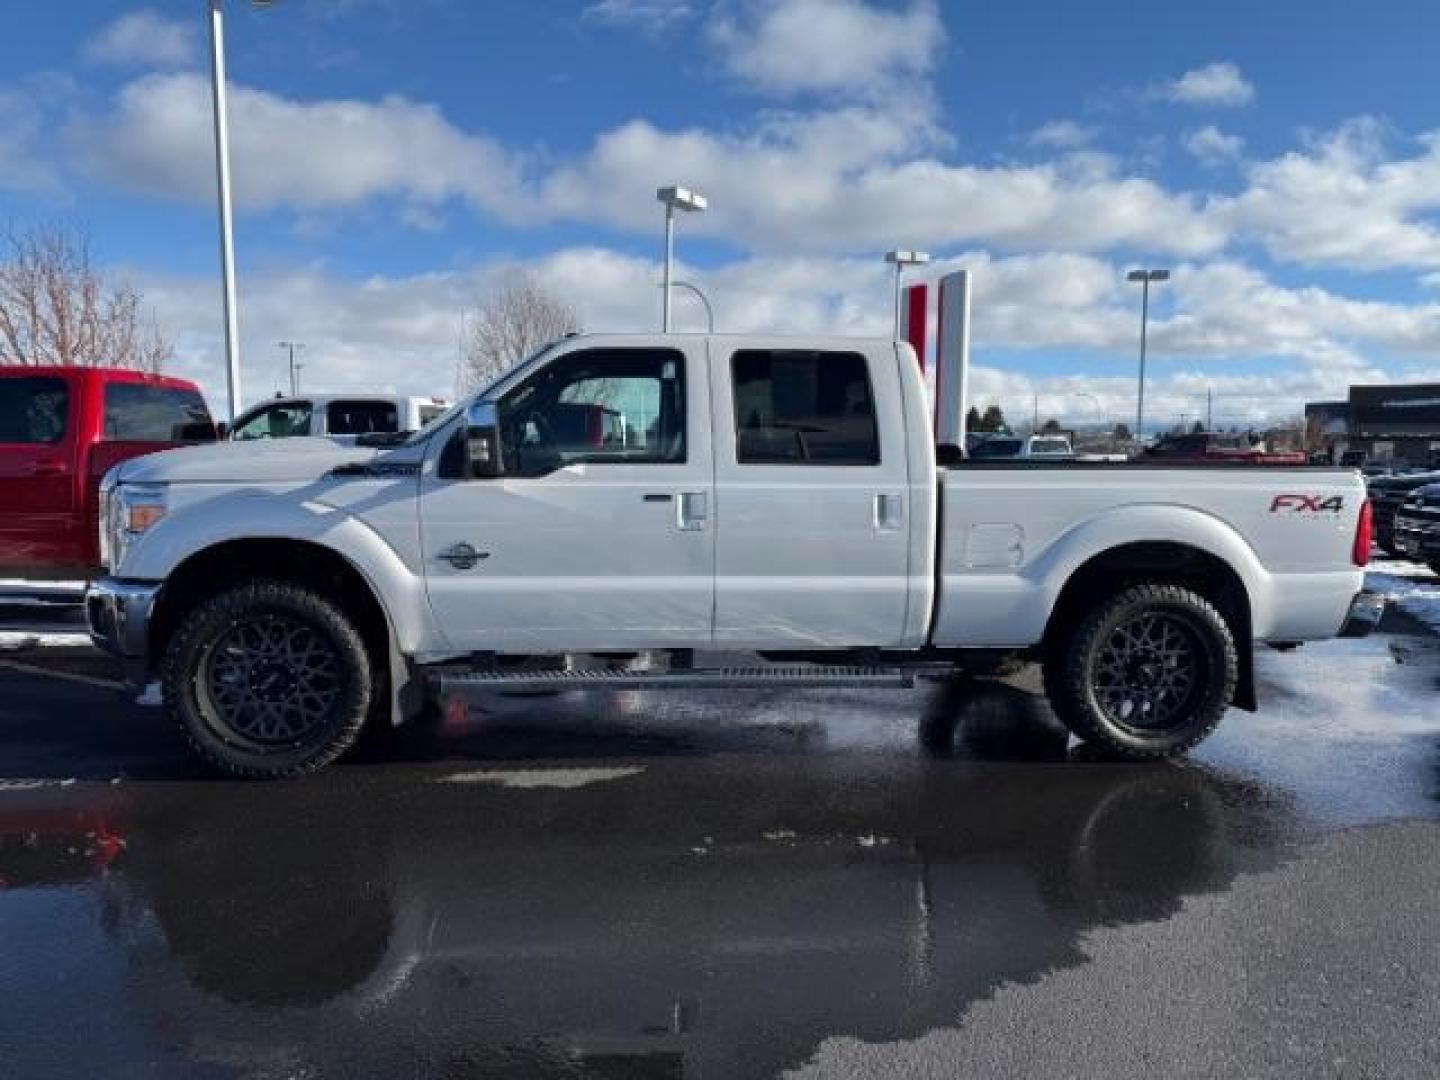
129 510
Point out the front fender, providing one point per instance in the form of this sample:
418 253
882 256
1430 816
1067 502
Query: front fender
251 514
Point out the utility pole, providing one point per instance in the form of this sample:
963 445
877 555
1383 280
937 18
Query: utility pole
1145 277
294 367
1209 403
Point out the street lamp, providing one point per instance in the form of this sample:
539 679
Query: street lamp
902 259
1145 277
222 181
674 198
705 300
294 367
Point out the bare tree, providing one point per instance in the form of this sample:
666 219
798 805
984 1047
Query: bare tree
57 309
514 319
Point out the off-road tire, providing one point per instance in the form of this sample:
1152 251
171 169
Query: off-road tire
1071 672
185 675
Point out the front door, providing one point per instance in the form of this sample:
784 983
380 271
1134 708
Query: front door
812 521
38 508
599 535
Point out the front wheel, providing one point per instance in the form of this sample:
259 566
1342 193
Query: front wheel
268 680
1147 673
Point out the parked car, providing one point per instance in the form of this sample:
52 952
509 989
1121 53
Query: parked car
335 414
61 428
1386 495
782 499
1417 525
1019 447
1220 448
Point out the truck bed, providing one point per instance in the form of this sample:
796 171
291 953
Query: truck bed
1012 533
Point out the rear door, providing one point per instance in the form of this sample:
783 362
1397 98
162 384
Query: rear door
39 421
811 480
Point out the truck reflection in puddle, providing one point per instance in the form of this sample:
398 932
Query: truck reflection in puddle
703 916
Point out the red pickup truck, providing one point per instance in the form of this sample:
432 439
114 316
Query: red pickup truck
1216 447
61 428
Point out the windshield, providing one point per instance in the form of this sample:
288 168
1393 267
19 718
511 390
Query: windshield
460 406
1049 446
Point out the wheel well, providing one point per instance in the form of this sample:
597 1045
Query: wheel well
1197 570
216 568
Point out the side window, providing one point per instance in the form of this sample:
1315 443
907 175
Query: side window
280 421
33 410
361 417
135 412
801 407
617 406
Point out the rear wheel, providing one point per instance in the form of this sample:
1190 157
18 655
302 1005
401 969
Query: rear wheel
268 680
1147 673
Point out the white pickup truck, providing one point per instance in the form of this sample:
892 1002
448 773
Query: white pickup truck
675 496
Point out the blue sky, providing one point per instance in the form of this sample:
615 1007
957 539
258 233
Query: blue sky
394 158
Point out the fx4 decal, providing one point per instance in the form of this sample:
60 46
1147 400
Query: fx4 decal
1307 504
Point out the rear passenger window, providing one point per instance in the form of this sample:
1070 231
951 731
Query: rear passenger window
361 417
135 412
33 409
803 407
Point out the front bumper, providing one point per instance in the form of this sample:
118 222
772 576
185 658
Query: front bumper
118 611
1418 537
1366 611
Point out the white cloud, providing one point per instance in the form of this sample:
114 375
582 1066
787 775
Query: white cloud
1219 84
851 179
649 15
144 38
1207 328
1211 146
845 47
302 155
1062 135
1346 200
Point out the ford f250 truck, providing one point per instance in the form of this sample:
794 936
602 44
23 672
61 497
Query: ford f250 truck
775 497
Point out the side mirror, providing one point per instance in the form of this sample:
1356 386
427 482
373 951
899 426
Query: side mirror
482 442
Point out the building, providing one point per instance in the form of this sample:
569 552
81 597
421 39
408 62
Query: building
1398 423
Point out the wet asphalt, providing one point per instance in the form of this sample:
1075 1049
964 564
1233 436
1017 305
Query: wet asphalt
928 883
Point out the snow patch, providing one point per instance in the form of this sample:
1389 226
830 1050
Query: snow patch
542 778
1411 587
24 639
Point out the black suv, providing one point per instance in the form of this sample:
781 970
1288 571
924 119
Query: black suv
1386 495
1417 525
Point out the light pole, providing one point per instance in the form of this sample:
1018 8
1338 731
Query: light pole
222 182
1145 277
705 300
674 198
294 367
902 259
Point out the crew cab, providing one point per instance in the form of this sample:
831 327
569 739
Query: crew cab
335 415
773 496
61 428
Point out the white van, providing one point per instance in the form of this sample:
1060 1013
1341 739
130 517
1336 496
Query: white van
335 414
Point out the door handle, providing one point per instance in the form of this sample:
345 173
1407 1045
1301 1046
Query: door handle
889 511
693 510
657 496
48 468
